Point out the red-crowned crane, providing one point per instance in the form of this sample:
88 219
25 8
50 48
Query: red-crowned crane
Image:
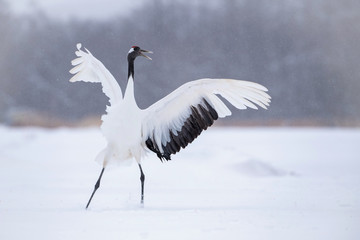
168 125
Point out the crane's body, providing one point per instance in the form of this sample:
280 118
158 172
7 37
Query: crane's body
168 125
122 129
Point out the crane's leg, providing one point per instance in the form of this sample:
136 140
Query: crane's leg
97 185
142 179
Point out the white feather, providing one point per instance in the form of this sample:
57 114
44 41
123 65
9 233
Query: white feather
171 112
89 69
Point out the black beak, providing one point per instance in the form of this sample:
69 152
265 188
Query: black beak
145 51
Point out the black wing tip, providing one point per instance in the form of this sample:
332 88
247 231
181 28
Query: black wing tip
150 145
202 116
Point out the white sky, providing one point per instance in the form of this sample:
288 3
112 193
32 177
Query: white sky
82 9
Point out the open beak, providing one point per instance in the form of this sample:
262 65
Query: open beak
145 51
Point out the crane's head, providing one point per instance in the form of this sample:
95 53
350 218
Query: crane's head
136 51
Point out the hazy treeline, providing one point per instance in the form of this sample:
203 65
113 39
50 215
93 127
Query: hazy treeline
306 52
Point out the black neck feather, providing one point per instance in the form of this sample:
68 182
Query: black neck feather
131 68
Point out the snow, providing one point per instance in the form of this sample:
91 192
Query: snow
231 183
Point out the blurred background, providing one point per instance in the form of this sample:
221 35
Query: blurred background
306 52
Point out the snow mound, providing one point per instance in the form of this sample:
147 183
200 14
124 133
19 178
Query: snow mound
258 168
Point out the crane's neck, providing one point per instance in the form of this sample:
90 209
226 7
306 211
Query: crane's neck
129 93
131 68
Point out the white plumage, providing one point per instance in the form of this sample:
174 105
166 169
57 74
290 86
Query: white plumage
169 124
170 113
89 69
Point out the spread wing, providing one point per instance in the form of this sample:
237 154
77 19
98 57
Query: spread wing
87 68
176 120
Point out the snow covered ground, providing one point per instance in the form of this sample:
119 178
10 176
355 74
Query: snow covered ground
231 183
